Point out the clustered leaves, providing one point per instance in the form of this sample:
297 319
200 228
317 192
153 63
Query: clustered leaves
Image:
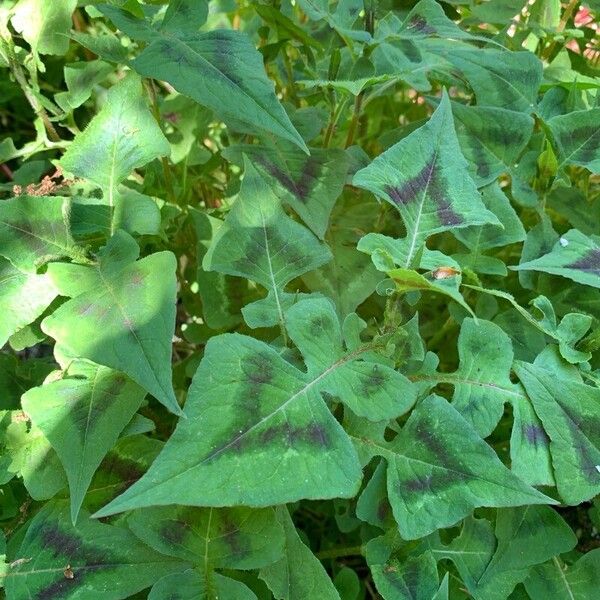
299 300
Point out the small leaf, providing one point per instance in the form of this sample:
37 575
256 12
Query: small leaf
82 416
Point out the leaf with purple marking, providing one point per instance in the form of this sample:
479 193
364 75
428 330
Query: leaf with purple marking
425 177
124 317
260 242
439 470
576 136
398 577
82 415
35 230
569 413
253 413
225 538
23 298
298 575
309 185
93 561
575 256
220 69
190 585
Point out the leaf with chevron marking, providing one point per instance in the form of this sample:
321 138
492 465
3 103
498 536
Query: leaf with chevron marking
274 425
82 415
575 256
58 561
260 242
439 470
425 177
568 411
126 320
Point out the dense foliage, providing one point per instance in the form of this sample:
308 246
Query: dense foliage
299 300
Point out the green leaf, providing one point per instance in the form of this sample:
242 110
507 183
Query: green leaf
219 69
260 242
122 137
184 16
23 298
191 586
574 256
81 78
492 139
44 25
223 538
577 138
309 185
298 574
82 415
569 412
397 577
555 580
274 424
427 187
439 470
92 561
124 319
35 230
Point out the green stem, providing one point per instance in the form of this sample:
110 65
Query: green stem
163 159
355 119
339 552
6 45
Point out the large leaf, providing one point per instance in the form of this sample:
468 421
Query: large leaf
297 574
423 177
35 230
260 242
92 561
439 470
569 413
123 317
219 69
575 256
250 410
120 138
23 298
308 184
82 416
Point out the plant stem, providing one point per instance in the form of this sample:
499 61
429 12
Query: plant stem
339 552
163 159
30 95
355 119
